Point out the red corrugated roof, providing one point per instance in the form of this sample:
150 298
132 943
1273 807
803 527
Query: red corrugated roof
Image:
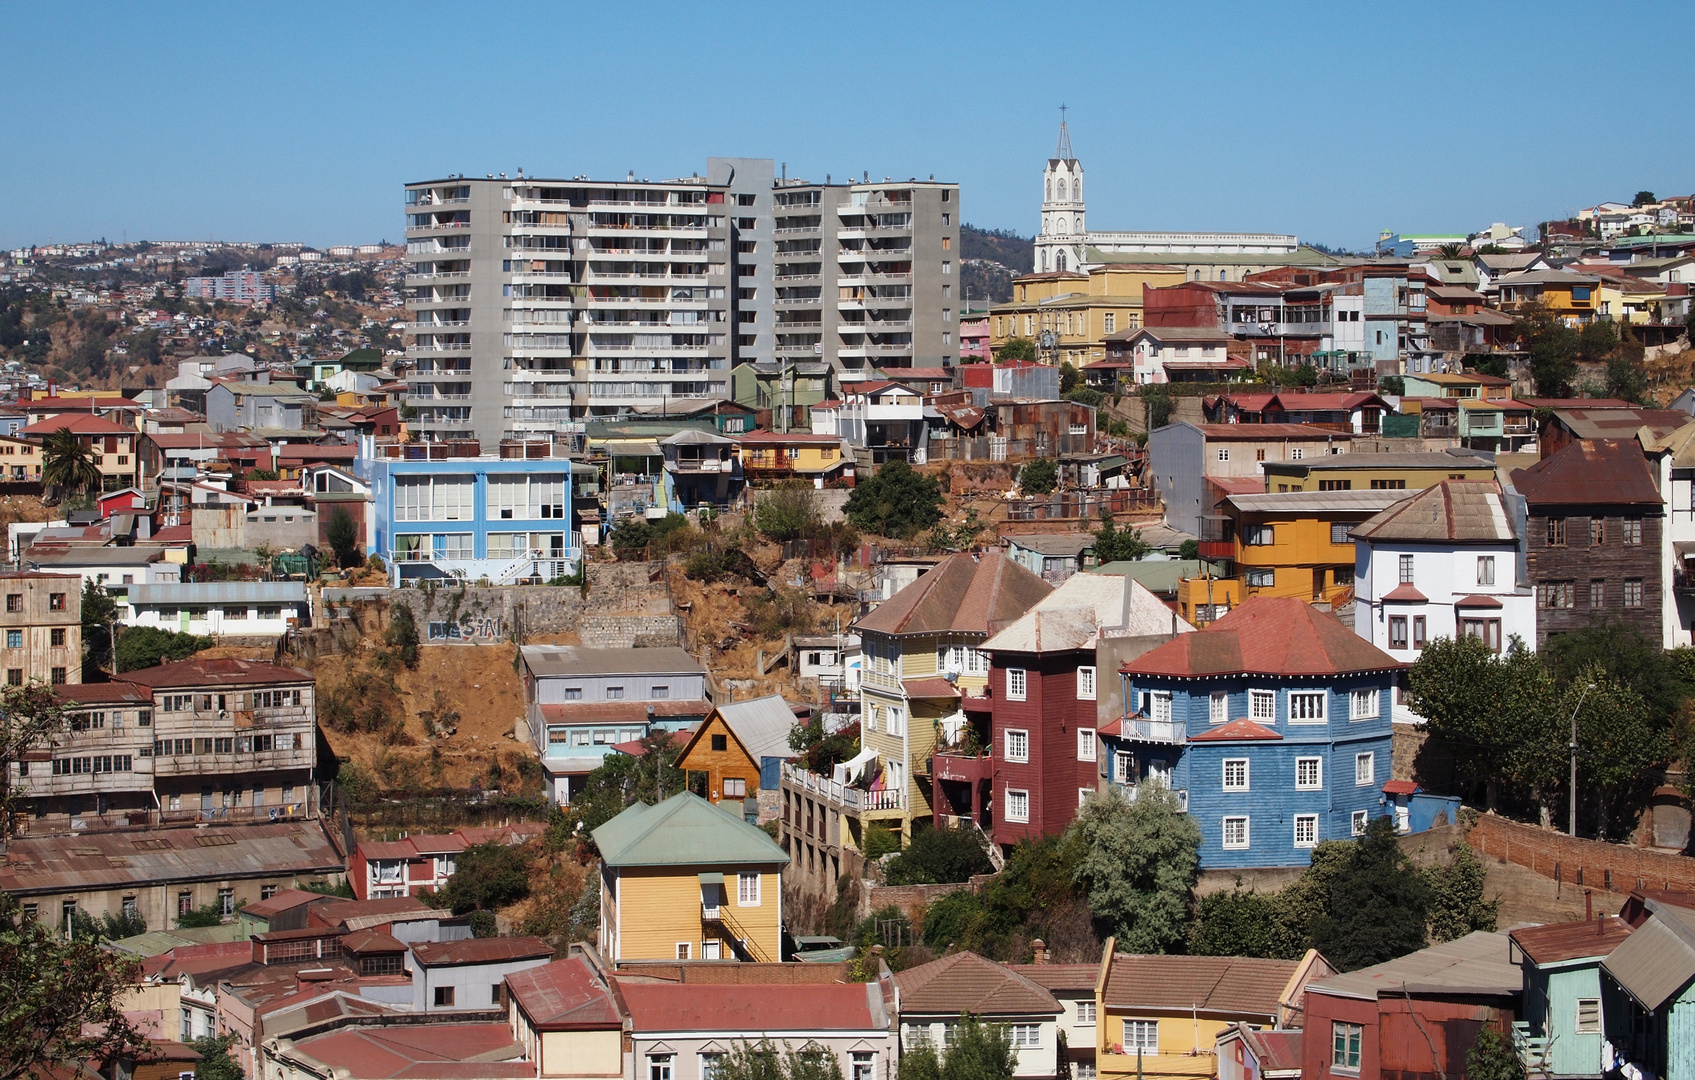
1599 472
929 688
80 423
1557 942
1236 731
1400 787
565 995
962 593
743 1008
1267 636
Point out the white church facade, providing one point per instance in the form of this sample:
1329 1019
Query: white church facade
1065 242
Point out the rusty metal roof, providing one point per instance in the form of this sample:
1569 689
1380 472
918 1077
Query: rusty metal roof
55 864
1556 943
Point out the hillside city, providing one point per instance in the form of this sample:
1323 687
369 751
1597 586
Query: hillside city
742 627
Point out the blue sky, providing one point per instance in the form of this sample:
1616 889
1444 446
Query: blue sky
301 121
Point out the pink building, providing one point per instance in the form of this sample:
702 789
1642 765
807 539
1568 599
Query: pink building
973 338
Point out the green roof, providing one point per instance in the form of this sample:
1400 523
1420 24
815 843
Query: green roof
1301 256
685 830
154 942
362 360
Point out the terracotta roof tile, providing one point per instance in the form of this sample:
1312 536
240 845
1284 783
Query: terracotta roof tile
1061 976
745 1007
1213 984
966 982
1236 730
963 594
1267 636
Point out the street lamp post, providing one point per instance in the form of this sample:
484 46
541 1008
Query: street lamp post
1574 713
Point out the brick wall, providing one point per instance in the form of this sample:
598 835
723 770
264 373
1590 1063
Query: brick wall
912 898
1593 863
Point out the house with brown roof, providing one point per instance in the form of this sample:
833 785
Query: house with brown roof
1160 1016
921 651
1272 725
470 973
568 1018
1559 1031
1596 519
1073 986
931 998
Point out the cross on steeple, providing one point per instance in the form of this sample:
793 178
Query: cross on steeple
1063 151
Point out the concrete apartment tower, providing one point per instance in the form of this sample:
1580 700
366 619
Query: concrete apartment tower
537 303
540 302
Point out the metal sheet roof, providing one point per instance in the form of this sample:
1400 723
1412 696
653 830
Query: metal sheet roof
219 592
1479 963
685 830
1658 959
58 864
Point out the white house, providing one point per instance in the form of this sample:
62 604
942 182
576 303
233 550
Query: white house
1175 353
220 608
1674 459
1443 563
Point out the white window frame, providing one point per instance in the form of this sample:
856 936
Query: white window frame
1365 769
1085 1013
1235 783
1486 569
1224 833
1083 794
1087 745
1317 782
1267 699
1141 1033
1359 821
1017 684
1159 706
685 950
1224 453
1309 824
1218 707
1027 1036
1304 695
747 890
1590 1026
1017 795
1017 745
1359 701
711 949
1086 683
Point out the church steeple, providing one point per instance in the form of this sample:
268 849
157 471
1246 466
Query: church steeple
1062 152
1063 236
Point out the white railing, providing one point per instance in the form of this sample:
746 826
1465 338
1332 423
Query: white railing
1160 731
844 794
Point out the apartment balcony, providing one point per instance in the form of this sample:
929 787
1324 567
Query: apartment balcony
809 277
798 230
429 279
594 275
605 229
850 351
293 811
593 301
812 252
433 327
813 349
234 764
799 301
875 326
139 778
439 228
426 350
961 766
645 206
850 799
601 251
1161 732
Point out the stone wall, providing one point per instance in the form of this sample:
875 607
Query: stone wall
913 899
628 609
630 631
1592 863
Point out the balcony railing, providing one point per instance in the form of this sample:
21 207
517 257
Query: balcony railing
1169 732
845 795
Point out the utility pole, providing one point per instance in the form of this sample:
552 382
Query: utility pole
1574 713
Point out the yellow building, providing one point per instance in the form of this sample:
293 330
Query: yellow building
1569 297
1159 1016
566 1017
20 459
1286 544
771 455
684 880
1375 472
1081 309
920 654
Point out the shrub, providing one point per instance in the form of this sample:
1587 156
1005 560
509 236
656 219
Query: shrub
149 646
787 511
937 856
897 501
879 840
1039 477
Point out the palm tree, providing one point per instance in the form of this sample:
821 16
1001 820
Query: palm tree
1449 251
67 463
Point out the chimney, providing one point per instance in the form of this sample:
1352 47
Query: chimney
1588 904
1040 948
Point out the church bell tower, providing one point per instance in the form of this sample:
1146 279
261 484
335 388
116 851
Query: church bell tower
1060 244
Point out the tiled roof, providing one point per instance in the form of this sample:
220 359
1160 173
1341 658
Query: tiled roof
966 982
753 1007
1061 976
480 950
935 687
1267 636
1557 942
415 1052
1212 984
1404 593
80 423
566 994
1595 472
962 594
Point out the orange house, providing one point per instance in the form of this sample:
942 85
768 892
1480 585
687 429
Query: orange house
731 744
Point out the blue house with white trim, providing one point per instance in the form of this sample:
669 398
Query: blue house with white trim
1272 725
506 519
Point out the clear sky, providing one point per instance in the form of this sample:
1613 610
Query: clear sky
301 121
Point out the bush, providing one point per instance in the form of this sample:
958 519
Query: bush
149 646
879 840
1039 477
715 562
205 915
788 511
402 633
486 876
938 856
343 537
633 537
897 501
1233 924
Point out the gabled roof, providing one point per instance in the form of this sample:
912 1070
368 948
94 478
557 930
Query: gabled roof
1479 964
1599 472
1658 958
565 995
1455 511
1613 423
762 726
1074 615
1211 984
1241 730
963 594
684 830
1267 636
80 423
965 982
748 1007
442 1051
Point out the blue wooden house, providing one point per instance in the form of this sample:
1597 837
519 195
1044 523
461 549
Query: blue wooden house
1560 1031
1272 725
1648 997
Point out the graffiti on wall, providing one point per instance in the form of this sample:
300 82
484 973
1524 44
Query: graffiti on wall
475 629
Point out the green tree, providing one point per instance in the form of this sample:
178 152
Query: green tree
896 501
1069 378
1298 907
920 1061
1379 904
1189 550
1627 380
216 1061
67 465
624 779
1643 198
149 646
787 512
763 1061
820 751
1157 400
1234 923
99 616
1140 864
1619 745
63 998
1492 1057
1018 348
1113 544
1393 385
1597 340
486 876
204 915
1457 903
979 1051
1553 351
402 633
343 536
30 716
1038 477
939 856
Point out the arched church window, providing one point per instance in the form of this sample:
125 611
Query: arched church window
1047 191
1044 262
1062 194
1059 262
1062 225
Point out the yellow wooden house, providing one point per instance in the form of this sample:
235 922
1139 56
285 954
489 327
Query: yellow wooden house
1160 1016
920 654
726 751
686 880
1081 309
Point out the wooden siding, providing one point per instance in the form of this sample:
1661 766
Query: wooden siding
1052 715
731 763
662 909
1611 562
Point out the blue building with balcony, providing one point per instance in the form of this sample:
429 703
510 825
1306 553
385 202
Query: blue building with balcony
507 519
1272 725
